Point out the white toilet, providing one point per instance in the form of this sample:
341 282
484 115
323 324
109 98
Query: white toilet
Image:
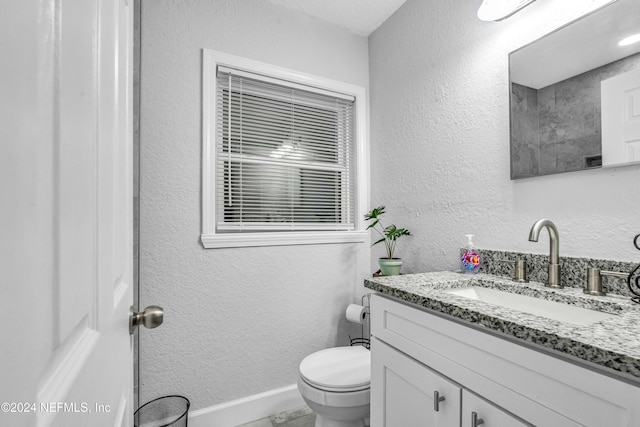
335 384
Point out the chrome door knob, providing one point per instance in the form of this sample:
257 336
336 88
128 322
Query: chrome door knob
150 318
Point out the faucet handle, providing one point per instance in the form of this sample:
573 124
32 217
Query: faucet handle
594 280
520 270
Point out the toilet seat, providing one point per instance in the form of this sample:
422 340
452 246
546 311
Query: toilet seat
338 369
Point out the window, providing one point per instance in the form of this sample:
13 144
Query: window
283 156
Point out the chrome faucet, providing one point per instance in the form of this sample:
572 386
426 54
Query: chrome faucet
554 249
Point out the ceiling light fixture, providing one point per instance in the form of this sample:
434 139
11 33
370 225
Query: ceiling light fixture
629 40
496 10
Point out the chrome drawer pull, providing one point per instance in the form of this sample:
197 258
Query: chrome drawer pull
475 421
436 401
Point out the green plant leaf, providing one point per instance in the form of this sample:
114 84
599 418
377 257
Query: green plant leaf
392 232
373 224
375 212
378 241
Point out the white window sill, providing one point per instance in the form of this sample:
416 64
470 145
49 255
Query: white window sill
240 240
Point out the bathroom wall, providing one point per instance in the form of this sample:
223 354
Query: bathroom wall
237 321
440 109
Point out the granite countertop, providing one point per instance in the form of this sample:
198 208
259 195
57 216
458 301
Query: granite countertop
613 343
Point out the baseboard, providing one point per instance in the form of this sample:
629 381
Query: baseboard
250 408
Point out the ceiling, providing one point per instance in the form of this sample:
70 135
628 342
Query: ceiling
359 16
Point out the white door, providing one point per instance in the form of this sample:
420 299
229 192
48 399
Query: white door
405 392
66 180
621 119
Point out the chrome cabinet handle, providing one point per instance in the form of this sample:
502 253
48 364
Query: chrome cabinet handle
150 318
436 401
475 421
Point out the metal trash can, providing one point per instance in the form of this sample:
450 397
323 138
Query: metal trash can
166 411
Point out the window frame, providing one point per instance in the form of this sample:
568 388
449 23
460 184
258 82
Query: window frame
210 238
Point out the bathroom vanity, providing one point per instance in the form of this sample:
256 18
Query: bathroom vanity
444 353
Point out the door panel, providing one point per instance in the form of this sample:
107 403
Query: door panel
621 119
76 157
95 217
402 391
68 349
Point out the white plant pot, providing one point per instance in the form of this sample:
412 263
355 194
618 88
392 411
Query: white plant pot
390 267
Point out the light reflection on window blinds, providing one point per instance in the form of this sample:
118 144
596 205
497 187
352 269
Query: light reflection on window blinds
284 156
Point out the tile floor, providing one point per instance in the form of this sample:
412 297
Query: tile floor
299 417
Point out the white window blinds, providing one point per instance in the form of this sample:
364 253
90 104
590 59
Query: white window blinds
285 156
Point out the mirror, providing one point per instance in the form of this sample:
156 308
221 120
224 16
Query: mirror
575 95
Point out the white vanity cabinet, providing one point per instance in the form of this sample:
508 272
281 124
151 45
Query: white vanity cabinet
405 392
416 352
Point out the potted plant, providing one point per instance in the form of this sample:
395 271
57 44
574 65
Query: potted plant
389 266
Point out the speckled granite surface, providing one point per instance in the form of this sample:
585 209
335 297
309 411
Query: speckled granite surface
613 343
573 273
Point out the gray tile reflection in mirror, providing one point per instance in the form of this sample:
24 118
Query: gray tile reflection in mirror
558 128
299 417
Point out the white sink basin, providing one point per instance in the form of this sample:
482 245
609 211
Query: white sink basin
539 307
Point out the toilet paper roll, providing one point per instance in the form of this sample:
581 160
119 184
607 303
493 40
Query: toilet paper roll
356 313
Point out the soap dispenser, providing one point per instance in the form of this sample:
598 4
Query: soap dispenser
470 261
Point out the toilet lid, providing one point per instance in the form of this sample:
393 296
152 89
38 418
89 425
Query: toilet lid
342 368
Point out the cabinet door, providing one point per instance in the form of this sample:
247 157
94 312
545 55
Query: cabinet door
403 392
486 414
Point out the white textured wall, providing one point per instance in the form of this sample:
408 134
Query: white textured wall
440 142
237 321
